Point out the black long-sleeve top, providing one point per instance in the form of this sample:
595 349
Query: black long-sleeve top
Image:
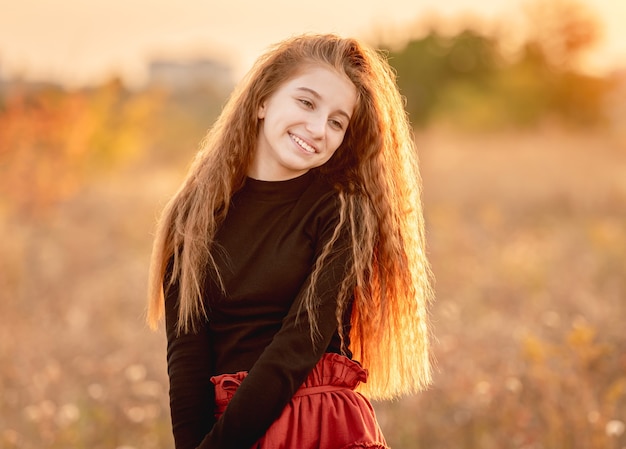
268 244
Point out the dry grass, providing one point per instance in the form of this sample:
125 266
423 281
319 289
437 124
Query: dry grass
528 245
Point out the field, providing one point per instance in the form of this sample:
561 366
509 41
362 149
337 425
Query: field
527 238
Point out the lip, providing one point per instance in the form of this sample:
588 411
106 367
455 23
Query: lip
297 139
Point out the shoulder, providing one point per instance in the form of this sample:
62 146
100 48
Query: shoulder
317 209
321 197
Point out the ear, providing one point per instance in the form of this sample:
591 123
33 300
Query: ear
261 113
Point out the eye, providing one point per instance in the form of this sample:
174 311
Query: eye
306 103
336 124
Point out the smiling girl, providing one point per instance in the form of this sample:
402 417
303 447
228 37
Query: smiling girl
290 266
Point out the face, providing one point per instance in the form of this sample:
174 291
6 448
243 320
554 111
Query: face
302 123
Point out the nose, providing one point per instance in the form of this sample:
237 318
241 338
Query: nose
316 125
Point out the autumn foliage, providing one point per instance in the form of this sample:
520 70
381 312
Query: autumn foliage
525 233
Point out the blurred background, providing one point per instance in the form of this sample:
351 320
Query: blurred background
519 111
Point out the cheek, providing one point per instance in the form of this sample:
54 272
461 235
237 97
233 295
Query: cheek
332 151
337 140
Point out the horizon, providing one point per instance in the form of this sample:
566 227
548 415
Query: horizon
75 44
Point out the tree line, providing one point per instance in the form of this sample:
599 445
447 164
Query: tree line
466 78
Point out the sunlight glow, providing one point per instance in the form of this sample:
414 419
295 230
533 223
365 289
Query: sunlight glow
79 42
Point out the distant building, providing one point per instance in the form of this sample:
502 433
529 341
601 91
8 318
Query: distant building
188 75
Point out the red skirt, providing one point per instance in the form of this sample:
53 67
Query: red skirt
325 413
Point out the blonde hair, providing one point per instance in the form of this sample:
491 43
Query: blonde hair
376 174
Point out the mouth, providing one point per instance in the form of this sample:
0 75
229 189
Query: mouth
302 144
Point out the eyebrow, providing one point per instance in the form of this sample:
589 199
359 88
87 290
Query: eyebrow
319 97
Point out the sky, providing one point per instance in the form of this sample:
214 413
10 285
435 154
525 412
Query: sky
85 42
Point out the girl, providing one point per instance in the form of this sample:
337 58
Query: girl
290 266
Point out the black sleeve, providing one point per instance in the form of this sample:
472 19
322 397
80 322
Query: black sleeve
192 394
286 361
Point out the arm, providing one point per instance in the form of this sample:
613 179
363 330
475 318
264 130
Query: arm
286 361
192 394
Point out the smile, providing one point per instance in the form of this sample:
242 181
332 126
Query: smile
302 144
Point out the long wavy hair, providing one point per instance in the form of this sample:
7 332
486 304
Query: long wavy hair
375 172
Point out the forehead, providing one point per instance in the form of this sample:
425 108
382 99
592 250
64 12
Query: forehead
327 83
319 73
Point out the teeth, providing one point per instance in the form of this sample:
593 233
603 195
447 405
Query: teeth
303 144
